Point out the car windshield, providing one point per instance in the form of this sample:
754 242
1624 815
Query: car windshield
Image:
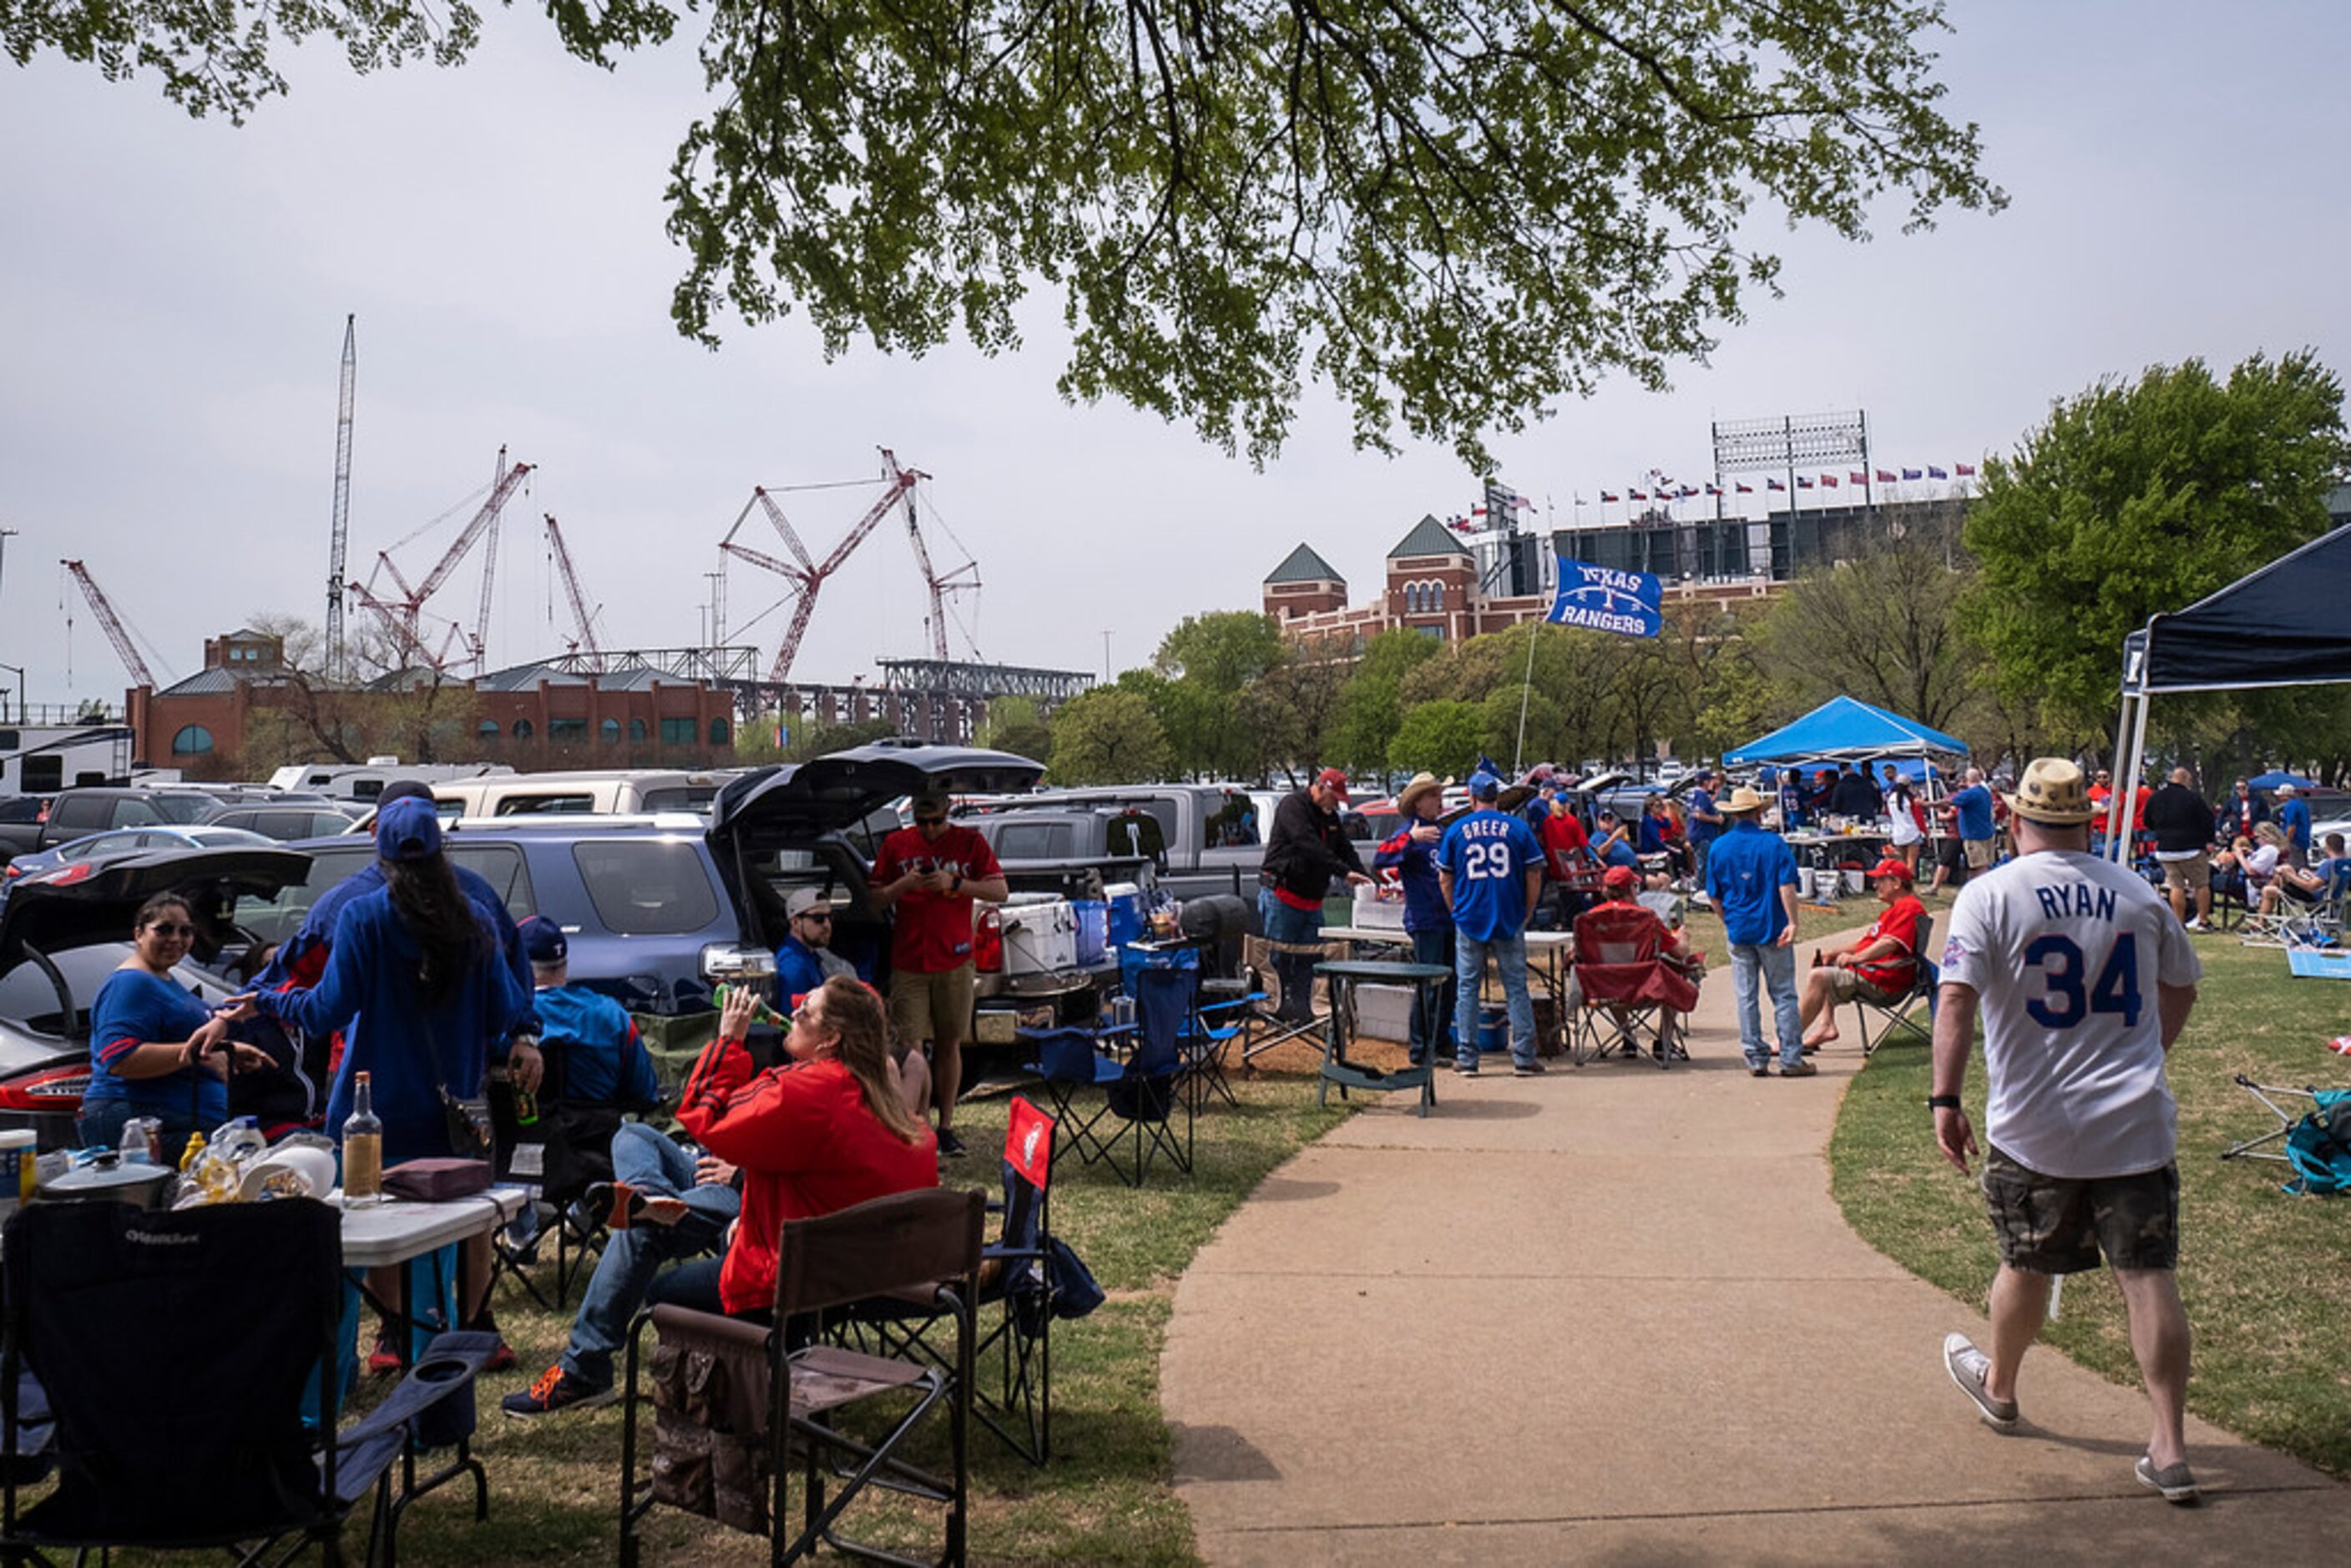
227 838
182 808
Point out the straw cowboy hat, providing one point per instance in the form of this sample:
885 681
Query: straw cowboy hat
1422 784
1740 801
2053 793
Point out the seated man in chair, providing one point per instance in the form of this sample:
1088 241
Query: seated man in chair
1880 967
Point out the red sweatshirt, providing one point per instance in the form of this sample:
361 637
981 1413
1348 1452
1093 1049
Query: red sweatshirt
806 1144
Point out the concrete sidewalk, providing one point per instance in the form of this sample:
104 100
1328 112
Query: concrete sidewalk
1615 1314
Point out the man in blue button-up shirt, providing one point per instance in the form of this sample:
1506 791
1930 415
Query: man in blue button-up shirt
1750 876
1428 917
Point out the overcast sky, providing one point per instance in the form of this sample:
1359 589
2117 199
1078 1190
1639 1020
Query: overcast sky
172 295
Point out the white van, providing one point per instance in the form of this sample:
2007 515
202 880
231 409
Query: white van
611 791
365 780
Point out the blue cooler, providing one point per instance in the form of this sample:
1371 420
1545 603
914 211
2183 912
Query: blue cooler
1493 1028
1126 921
1093 930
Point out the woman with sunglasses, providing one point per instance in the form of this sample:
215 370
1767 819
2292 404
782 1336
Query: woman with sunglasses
154 1050
821 1132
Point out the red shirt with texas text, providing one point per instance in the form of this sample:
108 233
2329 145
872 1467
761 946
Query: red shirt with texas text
933 930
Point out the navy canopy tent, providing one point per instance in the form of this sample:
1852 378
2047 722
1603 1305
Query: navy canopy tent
2284 625
1843 729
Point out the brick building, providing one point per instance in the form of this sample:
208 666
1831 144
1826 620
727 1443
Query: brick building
535 715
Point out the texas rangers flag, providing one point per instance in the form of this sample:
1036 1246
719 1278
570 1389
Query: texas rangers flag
1625 602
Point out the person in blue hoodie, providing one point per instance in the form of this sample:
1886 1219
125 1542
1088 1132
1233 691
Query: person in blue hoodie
416 981
1428 918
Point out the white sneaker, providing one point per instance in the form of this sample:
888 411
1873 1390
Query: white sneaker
2194 924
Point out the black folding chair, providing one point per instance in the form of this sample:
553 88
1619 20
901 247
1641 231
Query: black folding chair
1014 1398
1890 1016
734 1398
190 1360
562 1152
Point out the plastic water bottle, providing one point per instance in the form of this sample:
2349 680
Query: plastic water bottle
135 1150
362 1146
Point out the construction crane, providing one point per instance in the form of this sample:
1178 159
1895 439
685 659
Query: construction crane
581 614
809 577
116 632
400 614
961 578
339 538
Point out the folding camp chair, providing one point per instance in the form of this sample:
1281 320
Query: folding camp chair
2317 1144
735 1397
190 1360
563 1151
1625 983
1014 1398
1281 980
1925 977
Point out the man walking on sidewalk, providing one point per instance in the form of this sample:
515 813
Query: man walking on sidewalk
1490 866
2060 946
1750 876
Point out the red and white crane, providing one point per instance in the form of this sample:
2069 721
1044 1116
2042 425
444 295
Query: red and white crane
582 616
401 614
808 576
116 632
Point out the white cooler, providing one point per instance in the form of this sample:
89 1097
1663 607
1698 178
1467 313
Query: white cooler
1379 906
1040 934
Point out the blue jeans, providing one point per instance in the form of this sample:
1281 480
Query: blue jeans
1469 974
1777 966
1278 922
648 1162
1698 848
1431 948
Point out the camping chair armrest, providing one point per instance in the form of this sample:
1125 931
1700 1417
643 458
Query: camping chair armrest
679 1324
449 1365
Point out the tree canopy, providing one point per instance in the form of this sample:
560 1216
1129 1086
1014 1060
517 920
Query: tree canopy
2139 496
1454 212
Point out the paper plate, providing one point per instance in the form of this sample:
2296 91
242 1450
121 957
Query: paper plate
290 1172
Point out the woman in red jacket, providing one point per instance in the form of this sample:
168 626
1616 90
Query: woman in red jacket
823 1131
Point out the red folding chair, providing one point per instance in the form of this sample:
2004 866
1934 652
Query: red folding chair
1624 984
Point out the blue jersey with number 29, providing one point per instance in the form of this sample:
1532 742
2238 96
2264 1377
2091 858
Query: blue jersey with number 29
1488 855
2066 952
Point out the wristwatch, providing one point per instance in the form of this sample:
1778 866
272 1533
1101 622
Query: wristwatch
1942 1102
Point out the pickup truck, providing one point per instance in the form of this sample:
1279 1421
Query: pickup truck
77 814
1199 839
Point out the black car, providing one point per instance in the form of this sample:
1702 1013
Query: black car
58 943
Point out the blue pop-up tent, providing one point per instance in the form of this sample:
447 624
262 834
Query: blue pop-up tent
2271 780
1844 729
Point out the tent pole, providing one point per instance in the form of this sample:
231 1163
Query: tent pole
2138 763
2122 740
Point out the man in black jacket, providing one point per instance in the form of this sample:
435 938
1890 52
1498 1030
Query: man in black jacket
1856 797
1304 853
2181 821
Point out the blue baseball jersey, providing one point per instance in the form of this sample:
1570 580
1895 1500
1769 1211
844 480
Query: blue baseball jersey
1488 854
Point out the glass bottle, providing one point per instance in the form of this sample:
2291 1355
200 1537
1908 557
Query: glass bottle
362 1146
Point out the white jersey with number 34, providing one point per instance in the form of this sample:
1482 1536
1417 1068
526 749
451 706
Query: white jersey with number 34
2066 952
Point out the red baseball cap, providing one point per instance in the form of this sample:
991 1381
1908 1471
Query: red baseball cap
1333 778
1620 877
1889 866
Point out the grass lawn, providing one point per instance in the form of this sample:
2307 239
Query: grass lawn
1106 1496
2264 1273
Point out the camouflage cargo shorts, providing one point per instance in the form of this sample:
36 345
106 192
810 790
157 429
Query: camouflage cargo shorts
2056 1225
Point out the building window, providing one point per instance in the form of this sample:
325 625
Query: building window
562 730
610 731
193 740
677 732
487 730
522 729
636 732
719 731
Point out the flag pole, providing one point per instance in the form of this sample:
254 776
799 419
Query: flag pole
1526 686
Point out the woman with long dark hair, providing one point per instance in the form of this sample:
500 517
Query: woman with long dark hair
415 982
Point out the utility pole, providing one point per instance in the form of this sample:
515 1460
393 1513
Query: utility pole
1105 658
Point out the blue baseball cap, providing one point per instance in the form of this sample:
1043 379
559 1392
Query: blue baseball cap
542 939
1484 785
408 829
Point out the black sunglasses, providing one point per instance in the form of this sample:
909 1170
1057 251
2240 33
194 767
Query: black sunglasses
165 928
924 822
810 915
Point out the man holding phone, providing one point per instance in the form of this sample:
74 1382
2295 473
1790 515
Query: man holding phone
933 873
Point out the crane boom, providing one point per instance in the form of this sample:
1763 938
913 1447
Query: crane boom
931 582
116 632
401 615
339 538
579 612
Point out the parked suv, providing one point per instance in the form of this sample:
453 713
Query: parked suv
288 820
